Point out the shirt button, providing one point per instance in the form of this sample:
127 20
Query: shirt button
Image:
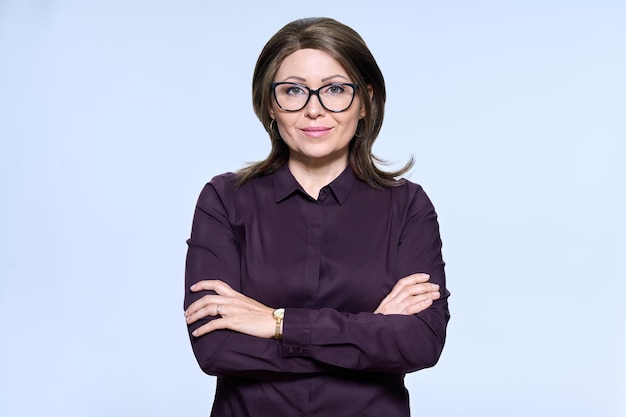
325 190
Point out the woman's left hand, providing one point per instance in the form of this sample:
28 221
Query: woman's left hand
410 295
238 312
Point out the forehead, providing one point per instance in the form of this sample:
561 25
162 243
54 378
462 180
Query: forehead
310 65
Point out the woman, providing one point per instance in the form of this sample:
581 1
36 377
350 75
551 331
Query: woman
315 280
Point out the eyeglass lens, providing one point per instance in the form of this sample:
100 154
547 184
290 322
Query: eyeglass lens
334 97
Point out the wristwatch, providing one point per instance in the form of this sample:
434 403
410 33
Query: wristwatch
279 315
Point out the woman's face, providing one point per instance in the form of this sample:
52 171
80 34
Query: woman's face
314 135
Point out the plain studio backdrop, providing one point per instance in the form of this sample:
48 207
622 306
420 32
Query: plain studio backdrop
114 113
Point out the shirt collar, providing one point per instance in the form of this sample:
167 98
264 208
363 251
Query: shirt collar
285 184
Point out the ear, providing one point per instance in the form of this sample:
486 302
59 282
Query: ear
370 92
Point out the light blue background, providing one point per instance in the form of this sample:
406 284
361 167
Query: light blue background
114 113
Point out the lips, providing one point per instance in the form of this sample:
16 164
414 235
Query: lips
315 128
315 131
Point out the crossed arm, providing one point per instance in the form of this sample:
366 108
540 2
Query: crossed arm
404 333
239 313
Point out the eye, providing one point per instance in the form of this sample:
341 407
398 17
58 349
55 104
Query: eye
295 90
335 89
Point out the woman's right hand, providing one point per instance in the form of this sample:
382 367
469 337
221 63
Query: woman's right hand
410 295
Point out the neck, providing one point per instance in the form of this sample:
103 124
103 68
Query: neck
313 177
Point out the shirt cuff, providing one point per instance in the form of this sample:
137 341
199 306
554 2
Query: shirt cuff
296 333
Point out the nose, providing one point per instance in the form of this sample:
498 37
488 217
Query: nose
314 107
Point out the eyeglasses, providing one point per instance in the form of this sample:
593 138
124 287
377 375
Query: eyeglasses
335 97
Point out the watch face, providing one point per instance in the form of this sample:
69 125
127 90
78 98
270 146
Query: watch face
279 313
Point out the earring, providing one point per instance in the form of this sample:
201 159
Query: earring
272 124
361 122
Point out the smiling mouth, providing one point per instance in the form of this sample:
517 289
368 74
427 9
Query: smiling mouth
315 131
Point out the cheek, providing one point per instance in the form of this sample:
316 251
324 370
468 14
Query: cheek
285 121
357 117
284 127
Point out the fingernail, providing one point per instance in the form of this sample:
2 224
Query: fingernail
195 333
435 286
193 287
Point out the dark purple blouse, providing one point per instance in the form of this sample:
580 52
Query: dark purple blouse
329 262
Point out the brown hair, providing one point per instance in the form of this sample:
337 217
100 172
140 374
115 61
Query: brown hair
348 48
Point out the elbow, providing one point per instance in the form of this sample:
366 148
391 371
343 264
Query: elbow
204 361
423 350
425 356
431 356
210 356
206 349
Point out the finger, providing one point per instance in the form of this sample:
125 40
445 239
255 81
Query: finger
403 283
408 281
415 278
209 327
203 302
418 307
420 303
216 285
414 290
404 304
407 293
423 303
210 310
431 295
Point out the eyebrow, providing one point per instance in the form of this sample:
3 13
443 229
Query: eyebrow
334 76
303 80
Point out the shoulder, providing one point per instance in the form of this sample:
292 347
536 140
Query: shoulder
405 186
402 194
407 190
228 189
218 189
411 198
223 182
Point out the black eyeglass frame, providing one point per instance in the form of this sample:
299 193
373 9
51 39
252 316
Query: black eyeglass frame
314 93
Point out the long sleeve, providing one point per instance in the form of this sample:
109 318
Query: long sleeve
329 263
373 342
214 253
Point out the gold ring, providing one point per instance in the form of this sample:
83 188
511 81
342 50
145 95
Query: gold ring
219 309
